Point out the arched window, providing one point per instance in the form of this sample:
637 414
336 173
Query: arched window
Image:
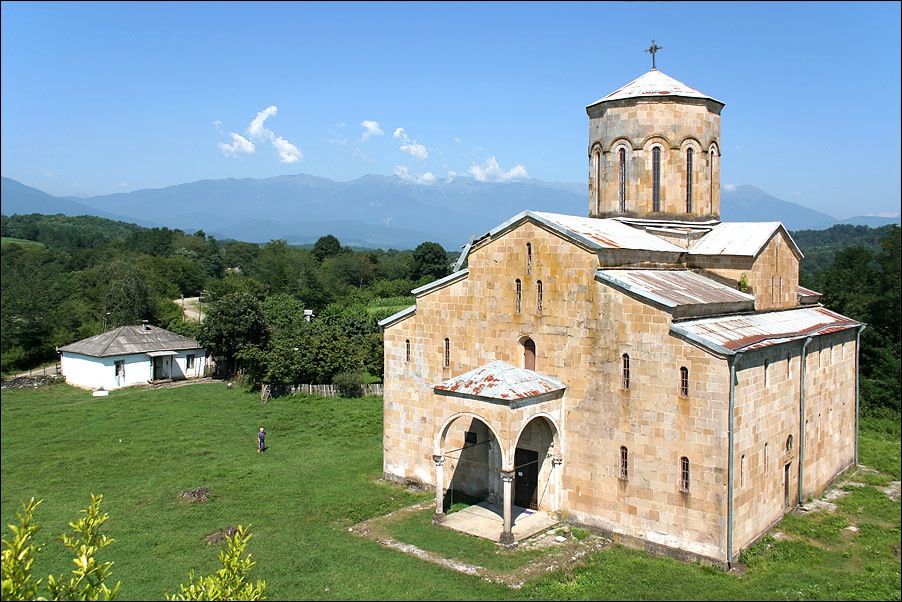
447 361
407 350
625 377
766 366
789 443
529 354
528 258
766 459
656 179
519 294
596 159
624 463
539 297
711 171
742 471
684 474
622 160
690 156
684 381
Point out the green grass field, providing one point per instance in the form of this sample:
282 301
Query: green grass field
321 474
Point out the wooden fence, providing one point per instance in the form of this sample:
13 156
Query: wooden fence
271 391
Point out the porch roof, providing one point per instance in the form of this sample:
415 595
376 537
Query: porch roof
499 381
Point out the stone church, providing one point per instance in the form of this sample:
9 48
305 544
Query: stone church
647 371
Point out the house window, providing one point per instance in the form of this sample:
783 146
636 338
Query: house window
407 350
742 471
120 368
656 179
447 361
684 381
625 378
622 155
539 297
684 474
519 294
529 354
528 258
690 156
624 463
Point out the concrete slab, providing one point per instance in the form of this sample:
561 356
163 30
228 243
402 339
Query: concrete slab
486 520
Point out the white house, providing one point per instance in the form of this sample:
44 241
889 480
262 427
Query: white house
131 355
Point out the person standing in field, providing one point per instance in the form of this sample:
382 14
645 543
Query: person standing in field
261 440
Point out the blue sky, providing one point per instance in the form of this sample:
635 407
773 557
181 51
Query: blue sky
104 97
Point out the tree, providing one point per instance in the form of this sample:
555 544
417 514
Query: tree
430 261
232 323
325 247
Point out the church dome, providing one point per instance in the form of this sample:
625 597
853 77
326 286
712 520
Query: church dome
654 83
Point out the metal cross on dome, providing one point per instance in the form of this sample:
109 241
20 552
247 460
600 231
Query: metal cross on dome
653 49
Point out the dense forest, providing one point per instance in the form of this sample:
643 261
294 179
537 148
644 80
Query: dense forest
68 278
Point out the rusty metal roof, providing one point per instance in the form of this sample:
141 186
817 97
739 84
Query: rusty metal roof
129 340
735 334
594 232
675 288
500 381
654 83
740 238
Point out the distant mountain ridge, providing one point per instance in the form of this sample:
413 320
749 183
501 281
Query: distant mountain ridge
372 211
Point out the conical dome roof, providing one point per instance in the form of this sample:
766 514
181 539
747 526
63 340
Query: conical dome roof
654 83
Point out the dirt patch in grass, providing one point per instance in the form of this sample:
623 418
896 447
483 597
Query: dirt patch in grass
559 552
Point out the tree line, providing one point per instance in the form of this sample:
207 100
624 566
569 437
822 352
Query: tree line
68 278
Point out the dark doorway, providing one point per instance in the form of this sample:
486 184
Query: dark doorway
526 467
529 354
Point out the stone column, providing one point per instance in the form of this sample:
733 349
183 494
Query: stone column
507 535
439 514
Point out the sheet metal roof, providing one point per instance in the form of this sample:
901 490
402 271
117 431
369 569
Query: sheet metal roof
129 340
500 381
733 334
675 288
740 238
654 83
594 232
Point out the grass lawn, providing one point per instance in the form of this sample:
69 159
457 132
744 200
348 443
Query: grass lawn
141 448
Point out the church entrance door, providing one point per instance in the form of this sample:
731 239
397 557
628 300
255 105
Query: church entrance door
526 467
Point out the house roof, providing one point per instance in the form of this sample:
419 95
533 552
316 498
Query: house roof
130 340
651 84
734 334
499 381
740 238
678 289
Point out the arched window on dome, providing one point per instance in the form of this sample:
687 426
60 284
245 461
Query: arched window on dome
656 179
596 172
622 163
690 157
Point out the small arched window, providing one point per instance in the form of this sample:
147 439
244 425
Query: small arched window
742 471
596 160
519 295
789 443
766 459
656 179
766 366
684 381
622 160
529 354
407 350
684 474
624 463
625 371
447 360
528 258
690 157
539 294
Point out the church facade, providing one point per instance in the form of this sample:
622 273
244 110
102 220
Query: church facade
648 371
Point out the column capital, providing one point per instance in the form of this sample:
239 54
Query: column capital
507 476
557 460
439 460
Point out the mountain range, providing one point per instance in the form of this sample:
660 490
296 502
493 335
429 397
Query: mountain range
371 212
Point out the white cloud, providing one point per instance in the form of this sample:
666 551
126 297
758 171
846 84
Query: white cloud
335 135
490 171
402 172
288 152
729 187
387 221
239 145
371 128
411 147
